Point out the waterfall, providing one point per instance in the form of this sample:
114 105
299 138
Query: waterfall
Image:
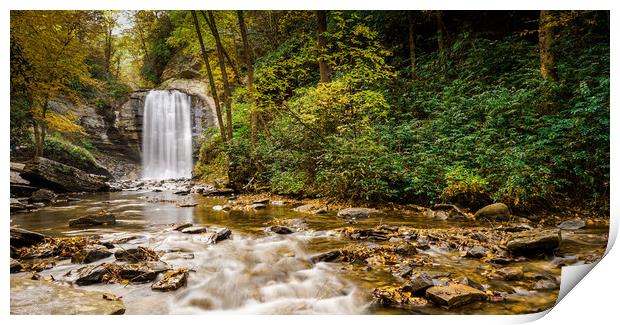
167 137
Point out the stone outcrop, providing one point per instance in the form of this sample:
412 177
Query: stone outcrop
32 297
534 242
44 172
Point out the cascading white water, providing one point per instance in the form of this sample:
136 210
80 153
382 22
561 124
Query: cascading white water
167 137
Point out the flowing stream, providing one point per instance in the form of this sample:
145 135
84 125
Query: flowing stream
259 272
167 135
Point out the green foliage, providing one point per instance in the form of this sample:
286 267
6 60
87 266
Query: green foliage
63 150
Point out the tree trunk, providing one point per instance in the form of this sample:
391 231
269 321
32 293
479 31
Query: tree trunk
324 69
441 47
545 43
249 62
222 62
412 44
108 49
205 57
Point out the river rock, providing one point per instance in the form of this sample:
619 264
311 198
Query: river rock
534 242
418 284
99 219
545 284
476 252
357 213
219 235
261 201
511 273
30 297
495 211
17 205
182 226
454 295
310 208
141 272
90 253
193 230
573 224
326 257
42 195
24 238
281 230
134 255
52 174
16 266
453 212
172 280
258 206
91 274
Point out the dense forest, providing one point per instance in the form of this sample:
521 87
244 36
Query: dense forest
395 106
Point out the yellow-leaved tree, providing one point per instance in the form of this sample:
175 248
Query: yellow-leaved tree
48 54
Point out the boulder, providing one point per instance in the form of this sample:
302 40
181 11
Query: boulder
545 284
24 238
90 253
310 208
219 235
476 252
30 297
495 211
92 274
280 230
172 280
141 272
572 224
261 201
357 213
326 257
99 219
258 206
182 226
134 255
42 195
511 273
418 284
534 242
52 174
454 295
16 266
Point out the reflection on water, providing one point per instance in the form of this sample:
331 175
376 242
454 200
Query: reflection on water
256 272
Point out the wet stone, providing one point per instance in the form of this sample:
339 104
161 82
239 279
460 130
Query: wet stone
182 226
358 213
99 219
511 273
138 254
534 242
261 201
280 230
172 280
545 284
476 252
24 238
91 274
326 257
418 284
90 253
142 272
573 224
194 230
454 295
16 266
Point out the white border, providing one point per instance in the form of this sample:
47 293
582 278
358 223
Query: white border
595 300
